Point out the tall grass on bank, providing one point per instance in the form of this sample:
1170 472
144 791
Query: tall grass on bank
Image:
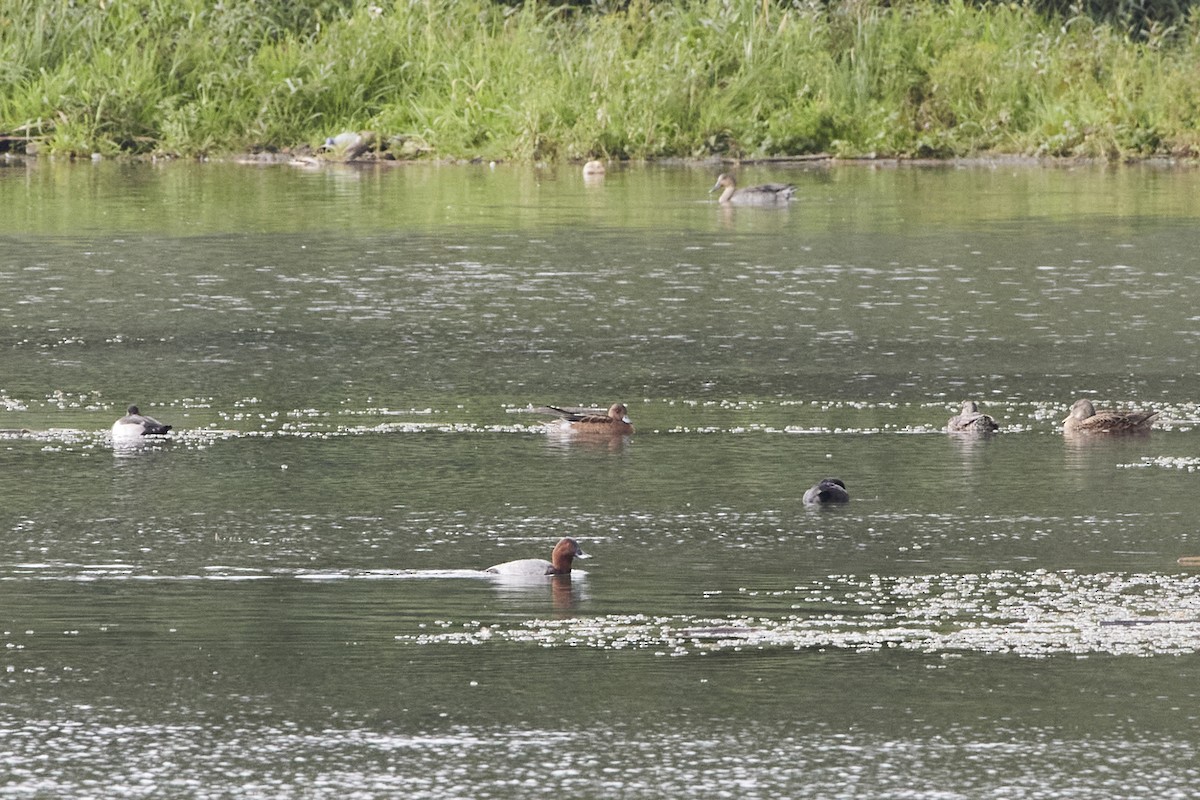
532 81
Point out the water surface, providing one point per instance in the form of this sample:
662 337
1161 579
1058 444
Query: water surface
284 598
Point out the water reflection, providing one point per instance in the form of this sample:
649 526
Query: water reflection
558 438
565 591
593 174
134 448
972 451
1084 450
968 441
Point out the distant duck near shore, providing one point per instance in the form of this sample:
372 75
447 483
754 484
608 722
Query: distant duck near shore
766 194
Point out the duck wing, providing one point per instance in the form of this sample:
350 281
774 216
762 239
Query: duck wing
1118 421
580 416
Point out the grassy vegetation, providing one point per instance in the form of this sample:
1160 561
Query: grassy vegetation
463 78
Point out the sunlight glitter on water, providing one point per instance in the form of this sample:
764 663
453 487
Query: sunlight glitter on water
1028 614
196 758
283 598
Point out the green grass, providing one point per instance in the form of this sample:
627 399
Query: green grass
532 81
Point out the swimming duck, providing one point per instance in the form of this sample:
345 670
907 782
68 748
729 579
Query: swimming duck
828 490
971 419
767 194
135 424
593 168
566 551
1084 418
615 422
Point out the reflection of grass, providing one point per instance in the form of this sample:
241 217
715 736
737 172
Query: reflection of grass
472 77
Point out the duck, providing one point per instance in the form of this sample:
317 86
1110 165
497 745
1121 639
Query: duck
971 419
767 194
828 490
614 423
1084 418
564 553
136 424
593 168
350 144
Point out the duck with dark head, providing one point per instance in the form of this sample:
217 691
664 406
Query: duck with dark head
827 491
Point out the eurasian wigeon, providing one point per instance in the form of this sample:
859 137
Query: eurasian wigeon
1084 418
134 425
828 490
566 551
767 194
971 419
615 422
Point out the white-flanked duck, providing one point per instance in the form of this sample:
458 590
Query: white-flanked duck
134 425
561 558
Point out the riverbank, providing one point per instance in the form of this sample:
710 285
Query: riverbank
477 80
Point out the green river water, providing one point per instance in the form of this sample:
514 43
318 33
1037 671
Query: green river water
284 598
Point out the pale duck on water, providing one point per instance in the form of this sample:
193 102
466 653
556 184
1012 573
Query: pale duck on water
561 558
766 194
135 424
